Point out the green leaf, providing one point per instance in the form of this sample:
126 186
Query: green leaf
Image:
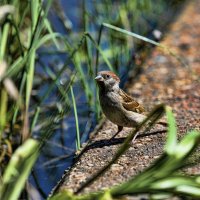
190 190
78 144
46 38
105 196
173 182
132 34
35 6
163 47
172 132
18 170
48 26
101 52
63 195
187 144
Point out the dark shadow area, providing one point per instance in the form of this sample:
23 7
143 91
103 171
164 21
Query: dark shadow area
116 141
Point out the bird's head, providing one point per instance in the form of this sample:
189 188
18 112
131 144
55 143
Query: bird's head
107 80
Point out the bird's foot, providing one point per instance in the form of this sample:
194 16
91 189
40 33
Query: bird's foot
119 130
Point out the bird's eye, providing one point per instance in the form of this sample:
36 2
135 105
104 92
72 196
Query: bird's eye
107 76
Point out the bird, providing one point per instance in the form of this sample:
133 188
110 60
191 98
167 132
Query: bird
119 107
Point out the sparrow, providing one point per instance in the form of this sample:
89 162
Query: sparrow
118 106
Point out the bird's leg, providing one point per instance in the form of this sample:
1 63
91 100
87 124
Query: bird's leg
119 130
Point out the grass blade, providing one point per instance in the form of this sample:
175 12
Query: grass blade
187 144
166 49
18 170
132 34
171 136
100 51
3 109
78 145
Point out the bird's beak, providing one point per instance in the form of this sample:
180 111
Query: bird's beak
99 78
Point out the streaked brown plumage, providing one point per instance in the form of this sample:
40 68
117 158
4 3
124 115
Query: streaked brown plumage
118 107
130 104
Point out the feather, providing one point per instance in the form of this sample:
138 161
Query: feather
130 104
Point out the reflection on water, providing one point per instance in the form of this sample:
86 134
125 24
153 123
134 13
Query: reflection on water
58 152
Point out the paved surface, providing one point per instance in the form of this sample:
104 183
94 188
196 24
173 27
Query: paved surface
163 79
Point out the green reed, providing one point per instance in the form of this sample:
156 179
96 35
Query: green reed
78 144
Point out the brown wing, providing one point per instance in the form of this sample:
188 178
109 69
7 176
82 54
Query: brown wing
130 104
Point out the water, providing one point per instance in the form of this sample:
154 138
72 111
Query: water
58 152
